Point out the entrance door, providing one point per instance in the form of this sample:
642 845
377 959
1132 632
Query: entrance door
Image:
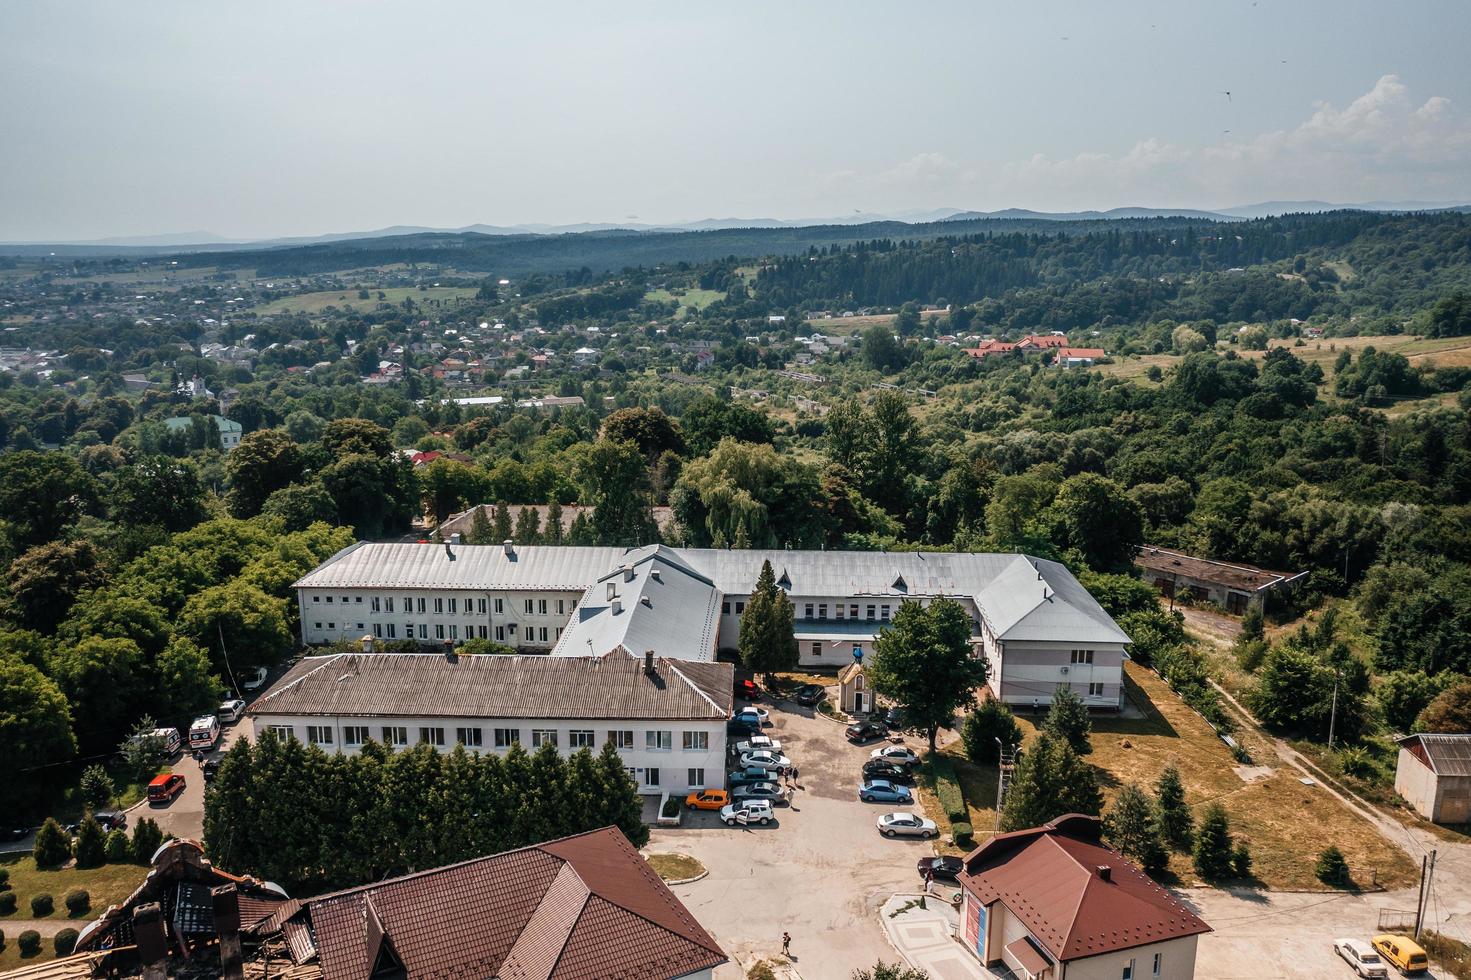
857 702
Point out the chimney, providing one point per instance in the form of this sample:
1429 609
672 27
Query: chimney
448 552
368 644
656 575
1105 873
628 573
454 538
151 935
649 663
617 606
510 547
449 651
227 925
612 590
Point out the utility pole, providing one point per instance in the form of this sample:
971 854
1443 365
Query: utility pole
1333 715
1427 876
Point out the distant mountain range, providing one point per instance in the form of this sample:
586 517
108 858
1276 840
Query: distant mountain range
209 241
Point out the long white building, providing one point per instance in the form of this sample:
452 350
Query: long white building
1037 627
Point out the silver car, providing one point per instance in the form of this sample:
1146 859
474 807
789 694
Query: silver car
766 760
907 825
758 791
1361 956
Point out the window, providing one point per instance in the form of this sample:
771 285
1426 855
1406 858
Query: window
543 736
453 605
319 734
344 600
696 741
316 626
543 634
559 632
408 603
329 599
807 610
316 598
725 609
454 631
816 648
871 610
1082 656
482 632
354 734
434 736
852 612
1158 962
388 604
822 611
579 739
530 606
481 604
500 606
358 599
621 739
471 738
361 626
438 604
561 607
541 607
331 626
740 608
651 776
392 631
506 737
697 779
1095 690
408 631
884 614
500 633
1128 971
421 604
658 741
439 631
396 735
283 732
378 629
838 610
858 683
375 604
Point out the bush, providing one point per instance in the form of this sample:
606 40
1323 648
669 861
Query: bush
97 787
29 942
947 787
116 849
42 905
4 878
147 839
91 843
1357 762
963 832
671 807
53 847
65 942
1241 860
1332 868
7 903
983 726
761 971
77 901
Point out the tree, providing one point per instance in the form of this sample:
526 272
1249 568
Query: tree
1129 825
923 660
1094 515
185 687
301 505
1214 847
1403 694
265 461
35 718
254 625
91 843
528 526
46 580
230 835
615 482
97 787
623 807
355 436
142 750
480 530
1049 780
448 486
106 682
52 847
990 721
501 525
160 491
767 640
42 494
1294 691
1449 713
648 428
1332 869
1067 718
1171 815
147 839
741 488
880 350
376 495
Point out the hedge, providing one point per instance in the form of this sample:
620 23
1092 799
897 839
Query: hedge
4 878
65 942
29 942
962 832
7 903
77 901
42 905
947 787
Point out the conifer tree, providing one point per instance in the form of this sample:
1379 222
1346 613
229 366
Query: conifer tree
1067 718
1171 814
501 525
1214 847
551 533
581 530
983 726
1332 868
1049 781
480 529
229 830
52 847
767 642
528 526
91 843
147 838
1130 828
623 807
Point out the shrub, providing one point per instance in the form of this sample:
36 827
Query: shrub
116 849
53 847
671 807
4 878
29 942
77 901
983 726
1358 762
147 838
1241 860
7 903
91 843
761 971
1332 868
65 942
947 787
42 905
963 832
97 787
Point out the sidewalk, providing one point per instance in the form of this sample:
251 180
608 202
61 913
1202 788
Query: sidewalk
923 936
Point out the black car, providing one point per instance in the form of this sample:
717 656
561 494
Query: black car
111 819
895 718
866 731
809 694
740 726
210 769
879 769
945 868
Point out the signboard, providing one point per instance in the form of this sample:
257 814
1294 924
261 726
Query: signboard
975 926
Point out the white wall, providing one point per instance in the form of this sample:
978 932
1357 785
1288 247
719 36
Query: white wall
349 615
1022 672
1177 962
673 764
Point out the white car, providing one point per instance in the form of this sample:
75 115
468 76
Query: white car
907 825
758 743
230 710
747 811
254 679
1361 956
899 755
766 760
759 715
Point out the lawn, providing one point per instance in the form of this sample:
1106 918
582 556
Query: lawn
675 867
1270 813
693 298
107 885
348 298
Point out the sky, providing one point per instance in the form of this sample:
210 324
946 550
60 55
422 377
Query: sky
263 119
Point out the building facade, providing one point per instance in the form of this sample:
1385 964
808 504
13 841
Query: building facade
1434 776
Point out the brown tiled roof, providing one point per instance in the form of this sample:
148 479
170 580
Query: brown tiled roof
1049 878
1234 575
430 685
580 908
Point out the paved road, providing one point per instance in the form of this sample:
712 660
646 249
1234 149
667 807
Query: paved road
821 873
184 817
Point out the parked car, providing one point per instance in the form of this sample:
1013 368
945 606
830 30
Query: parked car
18 833
907 825
253 679
230 710
881 791
1361 956
752 713
899 755
167 741
210 769
750 774
111 819
758 791
1402 952
164 787
866 731
746 688
204 732
766 760
894 718
747 811
707 799
945 868
742 726
809 694
886 770
757 743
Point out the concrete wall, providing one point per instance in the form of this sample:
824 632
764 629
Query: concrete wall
673 763
1023 672
328 615
1442 799
1176 961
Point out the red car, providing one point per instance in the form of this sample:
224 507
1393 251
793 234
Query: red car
747 689
165 787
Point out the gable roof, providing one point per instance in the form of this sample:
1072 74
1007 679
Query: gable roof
1036 599
1049 878
431 685
1444 755
579 908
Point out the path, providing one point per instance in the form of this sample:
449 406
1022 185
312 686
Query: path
46 927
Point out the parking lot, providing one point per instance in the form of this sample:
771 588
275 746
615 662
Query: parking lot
820 872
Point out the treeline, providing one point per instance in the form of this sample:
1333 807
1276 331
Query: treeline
313 821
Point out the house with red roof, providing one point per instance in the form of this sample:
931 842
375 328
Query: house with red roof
990 348
1056 903
1035 341
1068 357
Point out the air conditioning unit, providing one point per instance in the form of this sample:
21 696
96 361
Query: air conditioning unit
1063 670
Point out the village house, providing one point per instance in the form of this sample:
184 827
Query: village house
1071 357
1434 776
1233 586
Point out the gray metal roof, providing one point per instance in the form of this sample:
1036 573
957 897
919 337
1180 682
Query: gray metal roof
1449 755
1034 599
430 685
665 606
373 565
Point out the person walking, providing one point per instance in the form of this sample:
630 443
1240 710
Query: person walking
786 944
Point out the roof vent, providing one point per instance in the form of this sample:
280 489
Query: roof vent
628 573
649 663
510 547
1105 873
645 600
612 590
448 552
617 606
900 584
454 538
656 575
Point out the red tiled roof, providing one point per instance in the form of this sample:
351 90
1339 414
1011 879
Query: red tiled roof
1042 340
579 908
1049 878
1093 352
989 347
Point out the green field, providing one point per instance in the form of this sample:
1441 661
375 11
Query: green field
695 299
348 298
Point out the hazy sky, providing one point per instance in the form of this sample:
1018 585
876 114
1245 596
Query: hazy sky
259 119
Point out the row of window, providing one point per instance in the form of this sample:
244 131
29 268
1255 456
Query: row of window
529 634
651 776
1082 656
451 605
501 738
1129 968
880 613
